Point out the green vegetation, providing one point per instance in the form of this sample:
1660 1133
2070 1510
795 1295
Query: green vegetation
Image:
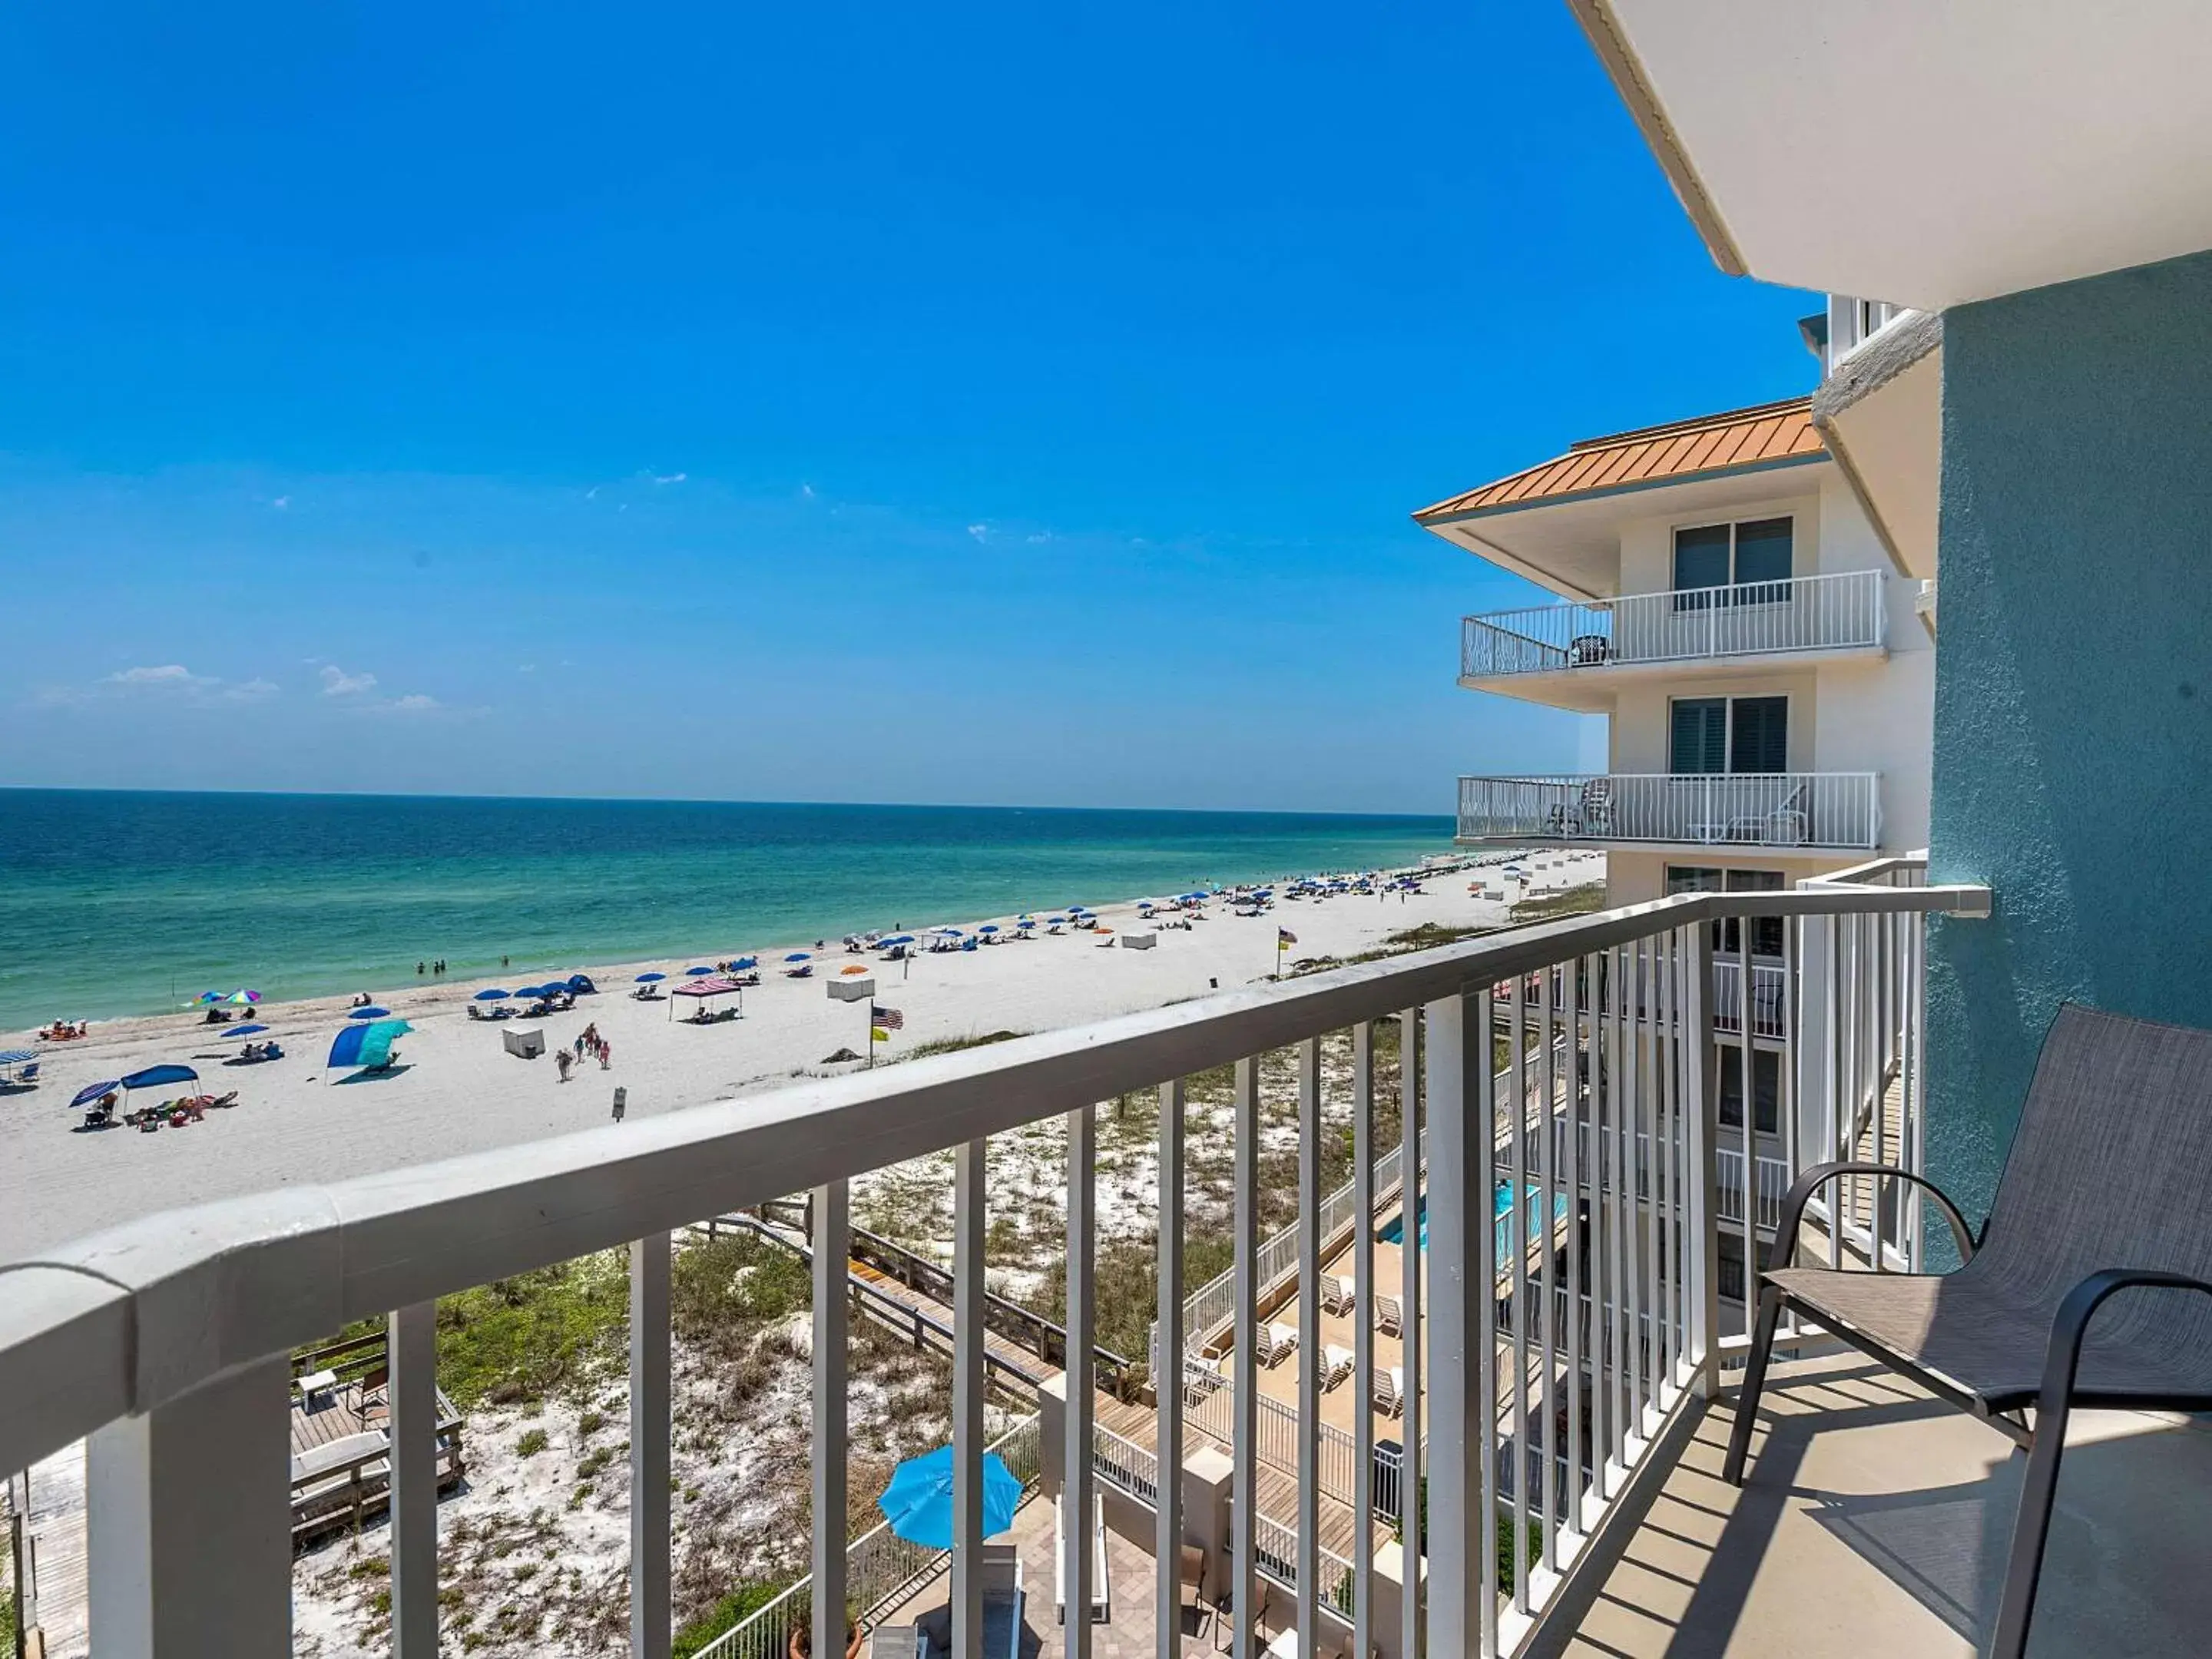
1126 1297
531 1443
557 1330
953 1045
1551 907
739 1604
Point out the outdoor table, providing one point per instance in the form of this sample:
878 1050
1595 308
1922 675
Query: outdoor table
315 1382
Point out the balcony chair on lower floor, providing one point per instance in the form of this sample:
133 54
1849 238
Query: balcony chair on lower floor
2102 1193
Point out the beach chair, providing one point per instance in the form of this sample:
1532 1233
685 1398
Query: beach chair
1336 1292
1336 1362
1389 1317
1276 1343
1388 1389
2102 1193
28 1075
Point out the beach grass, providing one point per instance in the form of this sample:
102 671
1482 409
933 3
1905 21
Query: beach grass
1581 901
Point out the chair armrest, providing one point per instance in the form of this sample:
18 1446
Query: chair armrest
2070 1326
1793 1206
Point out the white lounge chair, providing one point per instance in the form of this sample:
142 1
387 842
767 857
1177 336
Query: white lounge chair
1102 1601
1336 1293
1390 1389
1336 1363
1276 1343
1389 1317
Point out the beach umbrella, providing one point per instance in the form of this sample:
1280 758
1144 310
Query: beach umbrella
231 1035
950 932
155 1076
210 996
364 1045
856 968
492 993
918 1503
989 927
370 1012
243 997
897 939
92 1092
17 1056
694 973
1056 921
744 963
1026 922
798 956
651 979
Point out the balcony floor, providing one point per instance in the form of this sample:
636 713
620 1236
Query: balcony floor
1876 1521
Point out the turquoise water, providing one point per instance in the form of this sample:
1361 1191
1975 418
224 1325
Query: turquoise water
118 902
1502 1206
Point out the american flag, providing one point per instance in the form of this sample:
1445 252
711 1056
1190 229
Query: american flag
889 1018
1284 939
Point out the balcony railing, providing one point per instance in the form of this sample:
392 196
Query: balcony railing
1837 810
164 1342
1839 612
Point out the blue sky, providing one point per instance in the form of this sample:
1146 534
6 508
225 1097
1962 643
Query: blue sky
995 404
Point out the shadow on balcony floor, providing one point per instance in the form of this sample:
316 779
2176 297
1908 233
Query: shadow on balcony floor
1876 1521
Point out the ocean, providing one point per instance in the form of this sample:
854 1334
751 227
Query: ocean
118 903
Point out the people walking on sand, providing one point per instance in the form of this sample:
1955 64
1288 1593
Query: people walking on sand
606 1054
561 1061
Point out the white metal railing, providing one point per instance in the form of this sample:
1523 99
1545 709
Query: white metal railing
881 1569
1839 809
165 1341
1769 984
1841 611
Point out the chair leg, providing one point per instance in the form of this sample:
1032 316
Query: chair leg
2031 1529
1754 1382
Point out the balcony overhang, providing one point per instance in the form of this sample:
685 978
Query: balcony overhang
1880 414
1929 154
1590 688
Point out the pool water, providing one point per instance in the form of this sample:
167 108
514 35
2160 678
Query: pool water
1501 1206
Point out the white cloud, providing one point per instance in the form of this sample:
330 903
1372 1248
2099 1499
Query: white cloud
525 668
281 503
593 494
168 674
1039 540
251 691
337 682
807 491
672 477
979 531
414 702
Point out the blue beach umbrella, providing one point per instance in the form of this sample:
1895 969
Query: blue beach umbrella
231 1035
92 1092
694 973
798 956
651 979
210 996
989 927
897 939
918 1503
365 1045
492 993
744 963
370 1012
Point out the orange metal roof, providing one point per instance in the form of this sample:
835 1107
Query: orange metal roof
1653 455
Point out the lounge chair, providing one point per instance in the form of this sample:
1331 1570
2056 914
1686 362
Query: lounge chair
1275 1343
1388 1389
1336 1363
1093 1539
28 1075
2102 1193
1389 1317
1336 1293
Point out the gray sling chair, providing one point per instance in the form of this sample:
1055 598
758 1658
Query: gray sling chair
2102 1193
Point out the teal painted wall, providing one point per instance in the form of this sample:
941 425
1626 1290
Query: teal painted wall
2073 757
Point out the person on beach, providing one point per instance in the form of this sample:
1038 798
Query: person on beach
419 970
561 1062
606 1054
502 964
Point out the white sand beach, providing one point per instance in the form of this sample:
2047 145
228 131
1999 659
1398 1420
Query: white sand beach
457 1090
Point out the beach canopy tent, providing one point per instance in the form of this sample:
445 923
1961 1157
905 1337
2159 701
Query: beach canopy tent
250 1029
92 1092
581 985
159 1077
743 963
918 1503
651 979
701 989
492 993
365 1046
897 939
370 1012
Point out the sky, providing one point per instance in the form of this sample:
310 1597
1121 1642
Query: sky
984 403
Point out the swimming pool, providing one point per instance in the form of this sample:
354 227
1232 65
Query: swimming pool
1502 1206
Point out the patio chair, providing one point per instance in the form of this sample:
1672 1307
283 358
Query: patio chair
1190 1572
1336 1293
1336 1362
1388 1389
2101 1193
1276 1343
1389 1316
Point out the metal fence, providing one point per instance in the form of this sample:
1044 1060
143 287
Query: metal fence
1840 810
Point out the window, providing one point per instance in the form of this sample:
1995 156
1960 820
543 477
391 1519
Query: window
1765 931
1766 1088
1731 1262
1729 734
1749 563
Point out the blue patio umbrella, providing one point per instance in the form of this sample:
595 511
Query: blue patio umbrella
694 973
155 1076
918 1503
231 1035
1056 921
492 993
92 1092
651 979
364 1045
370 1012
989 927
897 939
798 956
